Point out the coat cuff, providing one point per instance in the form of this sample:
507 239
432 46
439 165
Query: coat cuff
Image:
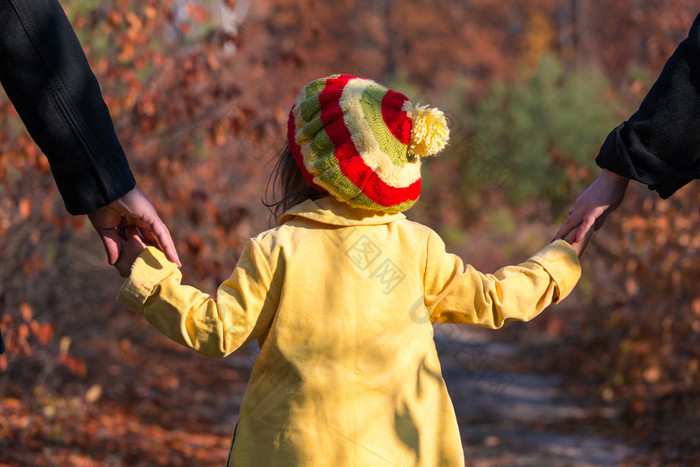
560 260
149 270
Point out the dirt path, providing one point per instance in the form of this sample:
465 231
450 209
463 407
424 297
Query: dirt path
511 418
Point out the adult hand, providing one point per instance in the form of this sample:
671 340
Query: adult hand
579 244
132 210
601 198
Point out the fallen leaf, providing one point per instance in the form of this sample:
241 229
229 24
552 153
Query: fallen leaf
94 393
26 311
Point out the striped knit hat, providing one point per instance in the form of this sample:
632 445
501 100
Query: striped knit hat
362 142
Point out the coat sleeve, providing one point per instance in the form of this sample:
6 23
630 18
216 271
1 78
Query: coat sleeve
241 311
47 77
455 293
660 144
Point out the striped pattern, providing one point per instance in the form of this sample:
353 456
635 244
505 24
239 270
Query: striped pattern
350 138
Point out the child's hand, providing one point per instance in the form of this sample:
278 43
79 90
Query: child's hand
131 249
579 244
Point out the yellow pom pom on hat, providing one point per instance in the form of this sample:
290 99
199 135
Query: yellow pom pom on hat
362 142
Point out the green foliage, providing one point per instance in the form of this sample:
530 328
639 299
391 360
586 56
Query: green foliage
543 130
501 221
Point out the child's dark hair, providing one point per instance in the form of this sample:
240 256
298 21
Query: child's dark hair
286 186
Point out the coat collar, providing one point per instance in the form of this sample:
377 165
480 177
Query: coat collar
330 211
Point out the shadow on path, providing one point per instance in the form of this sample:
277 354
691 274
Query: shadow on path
509 418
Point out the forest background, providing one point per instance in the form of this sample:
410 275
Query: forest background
200 92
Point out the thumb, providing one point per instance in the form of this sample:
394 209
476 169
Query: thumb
112 243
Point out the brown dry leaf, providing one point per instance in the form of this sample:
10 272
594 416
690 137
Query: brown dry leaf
213 62
64 345
25 208
34 326
150 12
74 364
631 286
147 106
652 374
44 333
134 21
127 53
23 332
696 306
94 393
634 222
220 135
197 13
26 311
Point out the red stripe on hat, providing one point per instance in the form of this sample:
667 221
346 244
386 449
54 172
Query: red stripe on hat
351 163
395 119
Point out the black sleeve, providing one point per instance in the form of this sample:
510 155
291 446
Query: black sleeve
48 79
660 144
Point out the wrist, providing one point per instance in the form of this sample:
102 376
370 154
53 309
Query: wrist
614 178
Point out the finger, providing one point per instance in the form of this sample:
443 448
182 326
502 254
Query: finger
147 225
134 235
568 225
123 268
166 241
601 219
585 240
112 243
585 226
149 237
121 230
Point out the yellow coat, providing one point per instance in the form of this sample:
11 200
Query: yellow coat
342 303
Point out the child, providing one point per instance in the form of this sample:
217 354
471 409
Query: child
341 296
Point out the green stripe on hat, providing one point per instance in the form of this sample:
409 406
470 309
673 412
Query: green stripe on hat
362 200
314 88
310 129
309 106
322 150
371 102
